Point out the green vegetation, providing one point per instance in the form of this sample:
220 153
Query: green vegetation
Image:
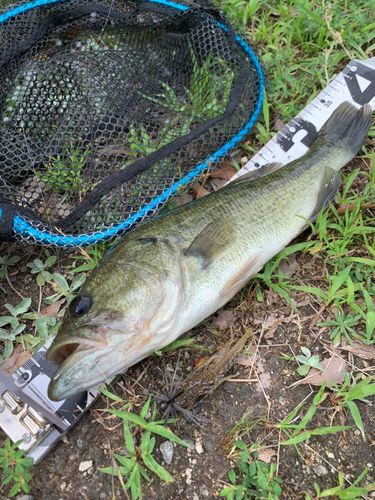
352 492
40 268
355 390
14 468
63 173
206 95
14 326
307 361
303 43
251 478
7 263
139 447
298 433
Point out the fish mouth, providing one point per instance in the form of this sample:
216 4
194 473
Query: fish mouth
62 351
68 355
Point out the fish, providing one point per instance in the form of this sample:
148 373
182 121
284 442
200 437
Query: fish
176 269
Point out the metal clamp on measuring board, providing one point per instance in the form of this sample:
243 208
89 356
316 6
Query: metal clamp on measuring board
26 412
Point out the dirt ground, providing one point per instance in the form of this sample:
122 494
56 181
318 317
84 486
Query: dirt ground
200 471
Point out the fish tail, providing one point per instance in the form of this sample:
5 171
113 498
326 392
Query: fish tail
346 128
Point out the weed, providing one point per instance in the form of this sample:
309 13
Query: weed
342 326
351 391
308 361
40 268
90 256
132 467
15 468
205 97
180 343
63 173
14 325
63 289
252 478
7 262
350 493
298 433
274 278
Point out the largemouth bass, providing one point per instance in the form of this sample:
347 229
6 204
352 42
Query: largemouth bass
172 272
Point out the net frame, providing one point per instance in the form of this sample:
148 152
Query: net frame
21 224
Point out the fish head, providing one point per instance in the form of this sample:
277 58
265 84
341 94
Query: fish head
124 313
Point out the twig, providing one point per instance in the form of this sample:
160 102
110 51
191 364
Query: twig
351 206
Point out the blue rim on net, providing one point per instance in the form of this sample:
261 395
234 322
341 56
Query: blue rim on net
27 228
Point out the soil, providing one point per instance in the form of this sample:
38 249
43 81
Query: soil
200 471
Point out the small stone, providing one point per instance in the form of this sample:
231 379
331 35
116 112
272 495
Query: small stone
199 447
80 443
167 450
63 486
188 476
330 454
25 497
85 465
320 470
204 491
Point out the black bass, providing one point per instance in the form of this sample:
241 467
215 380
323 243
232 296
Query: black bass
172 272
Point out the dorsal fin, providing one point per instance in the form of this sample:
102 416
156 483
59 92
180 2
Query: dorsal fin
266 169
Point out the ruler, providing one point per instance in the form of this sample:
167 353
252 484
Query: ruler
355 84
26 412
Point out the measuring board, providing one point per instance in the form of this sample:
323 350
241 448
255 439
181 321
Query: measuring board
355 84
26 412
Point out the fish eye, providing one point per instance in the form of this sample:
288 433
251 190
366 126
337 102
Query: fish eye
81 304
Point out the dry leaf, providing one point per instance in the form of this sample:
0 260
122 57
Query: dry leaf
271 325
289 266
333 373
266 455
245 359
264 381
225 173
198 190
217 183
17 359
184 198
361 350
53 309
278 125
225 319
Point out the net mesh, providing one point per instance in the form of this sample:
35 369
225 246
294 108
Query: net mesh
107 108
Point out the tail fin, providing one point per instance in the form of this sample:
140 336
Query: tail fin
348 126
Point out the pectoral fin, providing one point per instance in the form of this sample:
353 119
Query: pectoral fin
329 187
211 241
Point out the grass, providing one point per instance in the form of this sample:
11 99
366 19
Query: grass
352 492
139 447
